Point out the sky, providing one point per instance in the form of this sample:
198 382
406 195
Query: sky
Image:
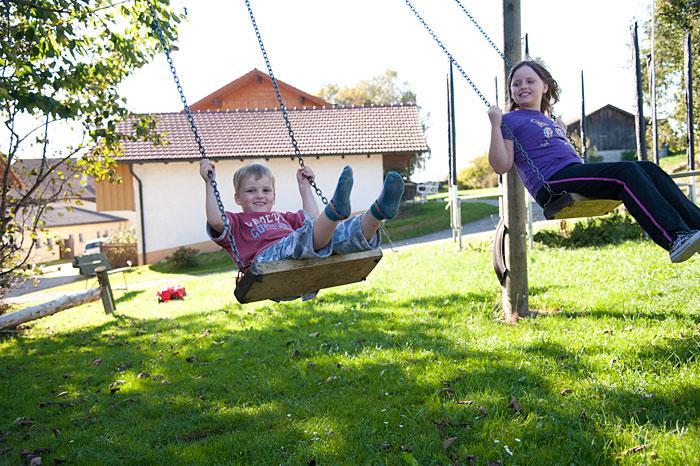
311 43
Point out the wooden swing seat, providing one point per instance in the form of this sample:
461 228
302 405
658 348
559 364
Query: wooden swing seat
294 277
572 205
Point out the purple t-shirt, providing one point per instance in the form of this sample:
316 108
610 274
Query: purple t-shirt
545 143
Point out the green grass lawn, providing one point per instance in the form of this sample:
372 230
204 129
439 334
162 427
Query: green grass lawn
410 367
423 218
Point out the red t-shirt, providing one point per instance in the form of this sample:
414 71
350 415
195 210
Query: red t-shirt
254 231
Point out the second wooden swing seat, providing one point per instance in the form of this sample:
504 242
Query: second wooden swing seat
294 277
572 205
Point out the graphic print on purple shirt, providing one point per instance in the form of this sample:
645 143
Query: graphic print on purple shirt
545 143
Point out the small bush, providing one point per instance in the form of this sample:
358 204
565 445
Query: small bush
611 229
184 258
478 175
629 155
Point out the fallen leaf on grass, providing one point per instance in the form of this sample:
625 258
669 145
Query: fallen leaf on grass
406 448
385 446
314 334
495 463
116 385
24 421
295 354
56 432
466 402
143 375
441 424
447 393
566 391
332 378
470 459
634 449
482 410
190 359
448 442
515 405
96 362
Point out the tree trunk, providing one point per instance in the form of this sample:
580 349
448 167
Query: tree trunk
52 307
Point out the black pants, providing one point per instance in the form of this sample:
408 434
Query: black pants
650 195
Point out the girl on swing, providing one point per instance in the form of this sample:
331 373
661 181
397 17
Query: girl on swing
649 194
264 235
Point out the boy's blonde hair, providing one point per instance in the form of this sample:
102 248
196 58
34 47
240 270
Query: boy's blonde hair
254 169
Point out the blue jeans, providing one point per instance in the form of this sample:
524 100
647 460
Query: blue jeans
299 244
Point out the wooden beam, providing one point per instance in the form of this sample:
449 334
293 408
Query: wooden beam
52 307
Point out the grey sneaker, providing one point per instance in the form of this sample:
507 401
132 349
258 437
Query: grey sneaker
685 245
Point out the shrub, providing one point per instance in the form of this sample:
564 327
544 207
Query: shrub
629 155
611 229
478 175
184 258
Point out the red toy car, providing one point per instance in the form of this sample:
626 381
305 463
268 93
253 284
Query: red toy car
171 292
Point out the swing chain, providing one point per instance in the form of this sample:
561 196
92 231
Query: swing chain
197 138
447 52
505 59
509 132
282 106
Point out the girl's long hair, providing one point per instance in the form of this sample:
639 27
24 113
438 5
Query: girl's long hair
549 98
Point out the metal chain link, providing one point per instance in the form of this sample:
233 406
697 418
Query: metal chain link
282 106
506 60
481 96
197 138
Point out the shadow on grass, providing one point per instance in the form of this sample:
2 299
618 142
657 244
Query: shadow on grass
328 380
128 296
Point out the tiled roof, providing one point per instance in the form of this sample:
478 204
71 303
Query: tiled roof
73 187
60 215
262 133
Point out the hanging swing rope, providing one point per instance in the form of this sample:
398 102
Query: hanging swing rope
509 132
203 153
282 106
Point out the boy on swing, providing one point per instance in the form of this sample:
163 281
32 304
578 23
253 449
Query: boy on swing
264 235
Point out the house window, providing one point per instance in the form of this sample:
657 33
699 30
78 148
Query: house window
106 233
38 243
49 243
98 234
81 238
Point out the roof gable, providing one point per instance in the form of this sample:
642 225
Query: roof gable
255 90
610 107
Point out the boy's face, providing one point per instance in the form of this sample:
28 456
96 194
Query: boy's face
256 195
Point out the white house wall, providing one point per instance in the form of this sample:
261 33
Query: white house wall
173 195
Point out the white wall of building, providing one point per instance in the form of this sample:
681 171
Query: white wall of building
173 193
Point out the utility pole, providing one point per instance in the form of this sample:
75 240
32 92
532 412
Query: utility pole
454 189
515 292
689 102
639 117
652 88
584 152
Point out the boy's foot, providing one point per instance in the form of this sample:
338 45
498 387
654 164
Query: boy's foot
339 207
387 206
685 245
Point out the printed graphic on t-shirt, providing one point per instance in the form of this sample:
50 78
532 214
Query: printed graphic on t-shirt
268 222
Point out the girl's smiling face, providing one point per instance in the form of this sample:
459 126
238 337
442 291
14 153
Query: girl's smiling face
527 88
256 195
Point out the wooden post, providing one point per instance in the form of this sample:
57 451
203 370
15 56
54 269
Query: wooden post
584 152
689 102
107 295
639 115
46 309
515 293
